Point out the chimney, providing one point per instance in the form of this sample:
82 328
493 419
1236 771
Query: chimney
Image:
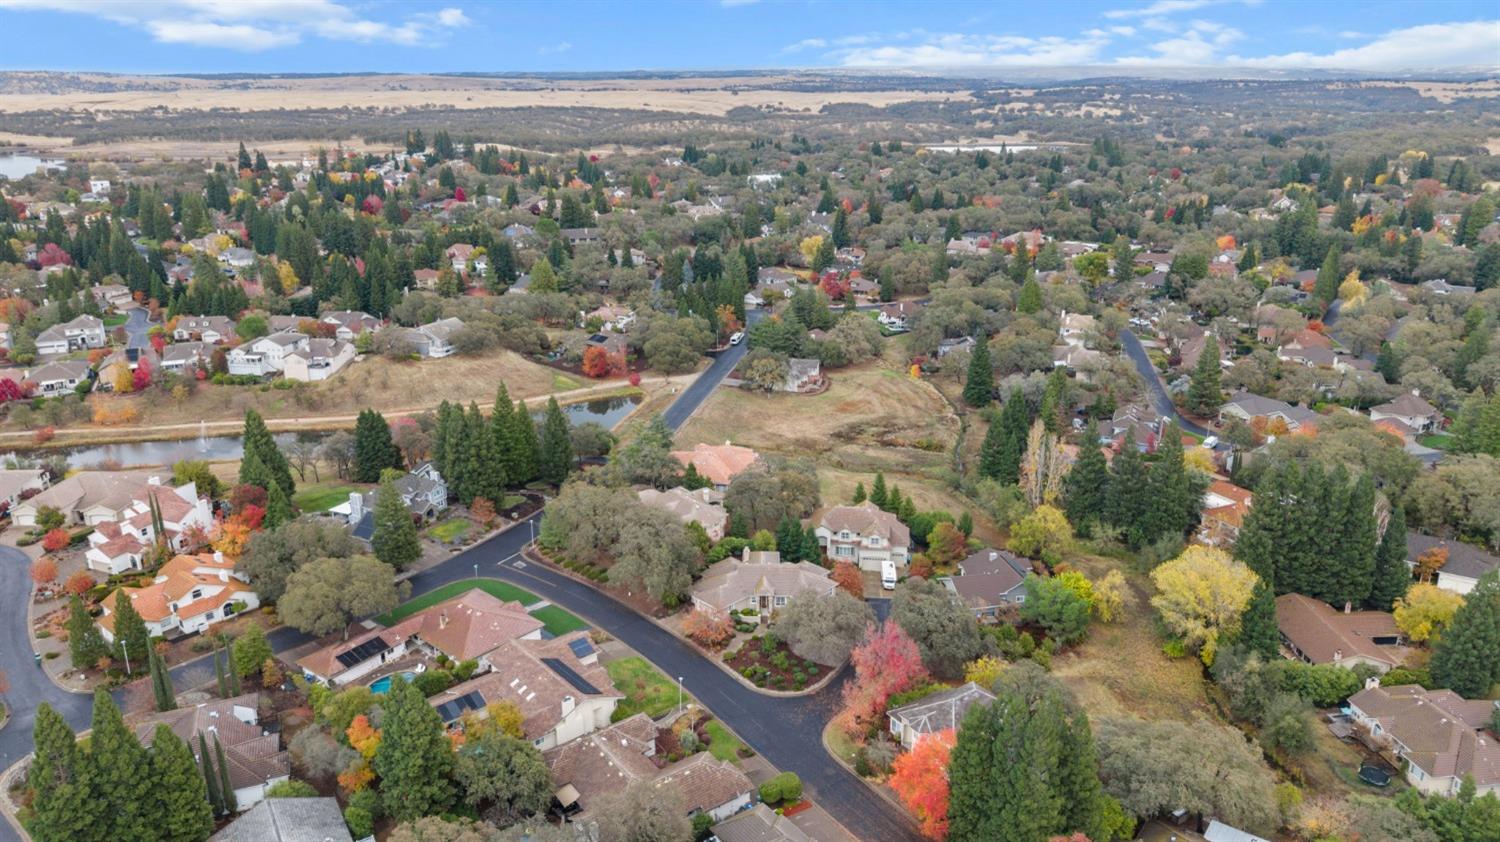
153 480
443 619
568 703
1372 682
1338 655
1348 607
218 557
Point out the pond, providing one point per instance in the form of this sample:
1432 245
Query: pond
606 411
15 165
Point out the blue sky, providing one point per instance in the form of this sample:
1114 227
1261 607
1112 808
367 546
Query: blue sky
313 36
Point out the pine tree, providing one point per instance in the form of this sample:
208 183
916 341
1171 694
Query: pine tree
254 472
1005 443
503 428
487 473
811 550
789 539
1354 553
1205 393
414 760
859 493
1258 631
1392 577
1086 487
186 815
373 449
1127 508
257 441
1029 299
131 636
125 793
893 500
226 789
210 777
66 807
161 683
556 458
979 384
526 445
1326 287
441 435
878 493
278 507
966 523
85 642
394 540
1467 657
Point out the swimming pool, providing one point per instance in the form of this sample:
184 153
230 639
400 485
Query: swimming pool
383 684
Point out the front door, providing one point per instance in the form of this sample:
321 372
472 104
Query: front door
765 609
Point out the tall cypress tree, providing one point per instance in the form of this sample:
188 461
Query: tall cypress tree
373 449
1391 577
1467 657
394 540
979 383
1171 492
161 683
1127 508
414 760
210 775
61 779
1086 487
1358 542
1326 287
556 459
488 477
186 815
503 425
257 440
125 792
131 637
226 789
441 434
223 681
527 446
1205 392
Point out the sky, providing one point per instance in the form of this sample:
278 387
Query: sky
334 36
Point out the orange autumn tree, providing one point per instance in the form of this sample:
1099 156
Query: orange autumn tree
44 571
846 576
363 737
920 779
886 663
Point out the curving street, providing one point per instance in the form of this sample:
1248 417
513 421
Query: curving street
1160 401
786 731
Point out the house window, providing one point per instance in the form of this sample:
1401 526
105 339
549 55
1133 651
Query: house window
844 536
780 601
197 593
844 551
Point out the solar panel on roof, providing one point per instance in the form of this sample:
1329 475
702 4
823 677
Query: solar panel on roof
363 652
581 647
579 683
451 711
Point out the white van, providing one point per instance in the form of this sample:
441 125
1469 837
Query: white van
888 575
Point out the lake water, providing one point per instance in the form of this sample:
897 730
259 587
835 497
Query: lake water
607 411
995 148
17 165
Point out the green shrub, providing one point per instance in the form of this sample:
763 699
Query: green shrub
785 787
465 670
291 789
433 682
368 799
361 823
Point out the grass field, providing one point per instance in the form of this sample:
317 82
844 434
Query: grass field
722 743
322 496
450 530
1436 441
645 688
116 319
499 590
558 621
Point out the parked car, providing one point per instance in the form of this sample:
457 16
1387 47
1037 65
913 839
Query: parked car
736 337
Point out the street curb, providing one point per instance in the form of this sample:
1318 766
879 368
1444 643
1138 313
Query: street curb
880 790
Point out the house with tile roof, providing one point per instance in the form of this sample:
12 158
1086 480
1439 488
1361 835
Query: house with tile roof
1315 632
759 581
212 329
82 332
116 546
318 359
1223 512
18 482
189 594
1409 410
423 491
988 580
718 463
1440 735
288 820
940 711
703 506
88 498
561 689
759 824
349 660
473 624
865 535
1463 566
253 755
58 377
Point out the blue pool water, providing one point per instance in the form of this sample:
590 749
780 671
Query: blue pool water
383 684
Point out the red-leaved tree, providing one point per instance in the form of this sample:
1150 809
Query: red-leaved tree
79 583
846 576
10 390
886 663
44 571
596 362
709 627
55 540
920 779
141 377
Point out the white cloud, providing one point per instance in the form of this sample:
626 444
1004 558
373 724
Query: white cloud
1200 44
805 44
1159 8
964 50
255 25
560 47
1469 44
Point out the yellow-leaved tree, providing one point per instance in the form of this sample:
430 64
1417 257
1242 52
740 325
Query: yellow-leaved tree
1425 611
1353 291
809 247
1201 596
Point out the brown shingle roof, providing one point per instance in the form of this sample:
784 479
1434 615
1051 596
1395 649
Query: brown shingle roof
733 579
252 756
1326 636
1439 729
705 782
521 677
867 519
474 623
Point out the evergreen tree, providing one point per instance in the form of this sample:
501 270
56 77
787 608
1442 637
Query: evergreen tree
556 455
966 524
131 636
1005 444
125 791
1258 631
161 683
811 550
1326 287
186 815
979 384
486 473
503 427
526 445
414 760
1175 494
222 680
789 539
1029 299
85 642
1086 487
257 441
254 472
394 540
859 493
278 507
1205 394
1353 559
893 500
1466 658
210 776
1391 577
373 449
878 493
226 789
1127 508
66 807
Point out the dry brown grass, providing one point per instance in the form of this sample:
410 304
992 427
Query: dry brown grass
1120 670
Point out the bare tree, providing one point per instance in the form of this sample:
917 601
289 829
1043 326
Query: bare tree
303 454
338 451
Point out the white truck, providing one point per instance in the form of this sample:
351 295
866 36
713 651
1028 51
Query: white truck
888 575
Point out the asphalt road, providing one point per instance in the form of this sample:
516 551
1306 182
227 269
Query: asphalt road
1160 401
786 731
136 326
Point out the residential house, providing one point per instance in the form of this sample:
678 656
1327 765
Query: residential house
117 296
897 315
288 820
473 624
86 498
865 535
215 329
1223 512
349 324
253 757
1411 411
517 231
318 359
458 256
1075 329
189 594
587 770
1440 286
948 346
989 580
940 711
99 186
1307 357
1315 632
561 689
863 288
82 332
759 824
426 278
288 324
1247 407
612 317
759 581
1081 362
1438 733
1217 831
116 546
703 506
435 339
423 491
59 377
803 375
15 484
237 258
718 463
577 236
347 661
123 360
1463 563
266 355
181 356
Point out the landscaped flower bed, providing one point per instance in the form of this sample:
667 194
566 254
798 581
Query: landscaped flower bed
767 662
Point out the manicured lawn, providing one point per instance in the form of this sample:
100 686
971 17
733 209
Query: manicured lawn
116 319
563 383
722 743
645 688
322 496
501 590
557 621
449 530
510 501
1435 441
